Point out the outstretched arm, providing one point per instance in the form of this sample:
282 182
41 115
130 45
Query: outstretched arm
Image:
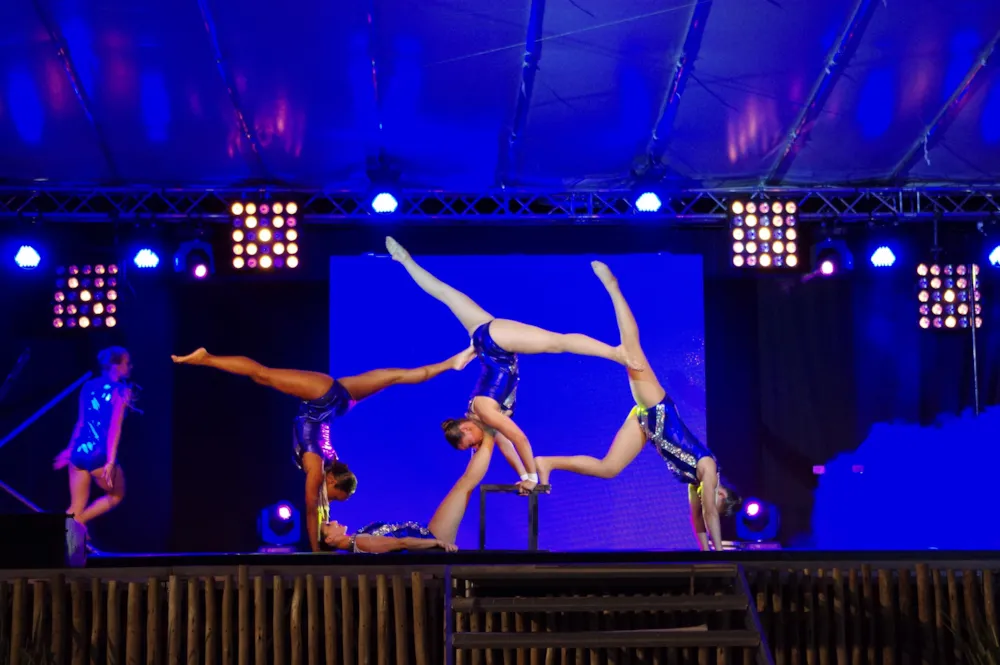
503 424
697 519
510 454
383 544
119 401
62 459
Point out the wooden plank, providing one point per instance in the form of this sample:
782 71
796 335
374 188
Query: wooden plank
698 603
609 639
596 573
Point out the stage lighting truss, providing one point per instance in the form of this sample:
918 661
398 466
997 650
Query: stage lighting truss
86 296
949 296
764 234
265 235
509 206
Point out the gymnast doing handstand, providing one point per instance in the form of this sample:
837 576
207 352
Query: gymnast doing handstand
324 399
497 343
653 419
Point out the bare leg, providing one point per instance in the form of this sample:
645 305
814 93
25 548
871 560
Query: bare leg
369 383
297 383
113 495
708 474
646 389
448 516
697 519
462 306
519 337
79 492
627 444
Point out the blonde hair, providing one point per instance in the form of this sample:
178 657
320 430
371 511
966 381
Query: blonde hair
111 356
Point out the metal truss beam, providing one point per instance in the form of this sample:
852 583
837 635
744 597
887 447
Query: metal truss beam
836 62
683 66
506 207
937 127
62 50
532 55
246 126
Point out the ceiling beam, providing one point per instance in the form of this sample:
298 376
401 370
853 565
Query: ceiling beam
836 63
944 117
62 51
244 121
508 159
683 66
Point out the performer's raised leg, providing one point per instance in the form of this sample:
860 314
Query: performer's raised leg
627 444
369 383
304 385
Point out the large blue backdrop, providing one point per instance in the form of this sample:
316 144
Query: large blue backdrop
566 404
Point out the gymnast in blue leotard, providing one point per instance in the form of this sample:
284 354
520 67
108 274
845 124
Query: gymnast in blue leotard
497 343
654 419
92 454
323 400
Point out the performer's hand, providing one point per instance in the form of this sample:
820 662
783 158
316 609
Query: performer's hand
108 473
527 486
61 461
447 547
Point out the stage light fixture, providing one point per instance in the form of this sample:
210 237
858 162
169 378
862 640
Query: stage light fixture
764 234
279 525
948 296
994 257
86 296
195 257
648 202
384 203
758 521
265 235
27 257
146 259
883 257
830 256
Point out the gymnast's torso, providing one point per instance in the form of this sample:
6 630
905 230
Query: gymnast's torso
89 448
677 445
391 530
499 375
311 433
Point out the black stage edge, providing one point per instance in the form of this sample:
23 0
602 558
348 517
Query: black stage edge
521 557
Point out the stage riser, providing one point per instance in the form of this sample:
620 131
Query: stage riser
228 617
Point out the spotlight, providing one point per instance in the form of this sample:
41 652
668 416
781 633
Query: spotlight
27 257
883 257
86 296
648 202
995 257
830 256
764 234
948 296
268 232
279 527
195 257
146 259
758 521
384 203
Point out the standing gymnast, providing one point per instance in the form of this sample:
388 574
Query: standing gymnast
497 343
654 419
324 399
93 448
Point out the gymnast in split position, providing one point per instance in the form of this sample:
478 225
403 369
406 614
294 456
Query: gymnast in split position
92 453
324 399
440 533
497 343
654 419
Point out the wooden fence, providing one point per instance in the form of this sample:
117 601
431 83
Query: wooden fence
846 614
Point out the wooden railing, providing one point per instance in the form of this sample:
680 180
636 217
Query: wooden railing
845 614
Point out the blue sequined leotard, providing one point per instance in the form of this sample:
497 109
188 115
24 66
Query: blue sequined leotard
89 448
312 426
498 377
677 445
396 530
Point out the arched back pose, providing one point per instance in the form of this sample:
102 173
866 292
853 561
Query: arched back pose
497 343
324 399
654 419
93 448
440 532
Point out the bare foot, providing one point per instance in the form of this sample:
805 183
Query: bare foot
396 251
544 470
628 359
604 274
460 361
196 358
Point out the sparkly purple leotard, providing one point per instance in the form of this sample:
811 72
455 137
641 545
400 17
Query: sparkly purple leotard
498 377
677 445
312 426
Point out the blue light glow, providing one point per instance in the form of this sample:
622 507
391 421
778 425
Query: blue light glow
384 203
648 202
27 257
883 257
995 257
146 258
